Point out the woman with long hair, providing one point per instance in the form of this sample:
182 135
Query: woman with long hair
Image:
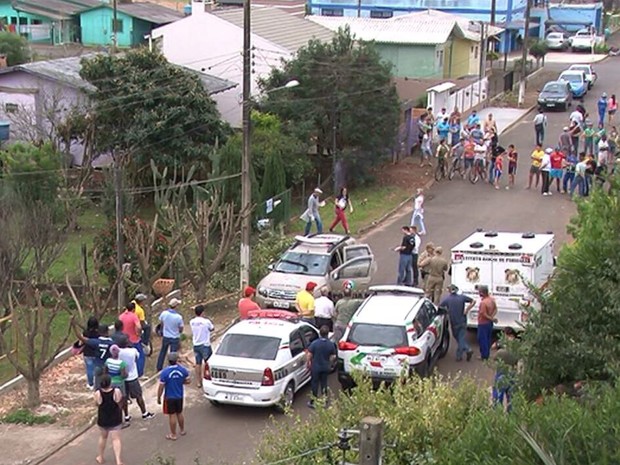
109 417
90 353
341 203
612 107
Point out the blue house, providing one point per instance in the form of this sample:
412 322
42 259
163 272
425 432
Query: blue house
133 22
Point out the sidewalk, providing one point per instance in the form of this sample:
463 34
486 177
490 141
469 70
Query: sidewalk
506 118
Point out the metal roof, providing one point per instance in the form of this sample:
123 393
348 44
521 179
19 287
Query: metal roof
284 29
55 9
430 27
67 72
150 12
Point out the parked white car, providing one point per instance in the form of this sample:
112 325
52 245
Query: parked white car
396 332
589 72
557 41
260 362
585 40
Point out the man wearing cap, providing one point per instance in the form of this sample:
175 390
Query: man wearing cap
304 302
171 386
246 303
312 213
172 327
457 313
133 330
601 106
545 169
345 308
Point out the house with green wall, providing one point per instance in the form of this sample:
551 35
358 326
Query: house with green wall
424 45
134 21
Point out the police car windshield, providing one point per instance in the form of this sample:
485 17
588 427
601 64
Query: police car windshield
367 334
303 263
249 346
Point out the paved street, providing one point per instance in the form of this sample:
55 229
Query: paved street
453 210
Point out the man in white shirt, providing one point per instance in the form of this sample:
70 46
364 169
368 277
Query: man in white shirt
201 339
545 168
603 151
576 117
415 254
324 310
540 124
130 356
417 219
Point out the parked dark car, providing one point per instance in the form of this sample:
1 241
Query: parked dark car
555 94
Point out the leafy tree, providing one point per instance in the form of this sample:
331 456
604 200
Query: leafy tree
15 47
146 108
345 86
575 335
538 50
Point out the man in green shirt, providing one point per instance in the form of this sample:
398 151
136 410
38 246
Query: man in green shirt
588 137
344 310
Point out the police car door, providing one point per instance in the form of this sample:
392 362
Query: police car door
308 334
298 366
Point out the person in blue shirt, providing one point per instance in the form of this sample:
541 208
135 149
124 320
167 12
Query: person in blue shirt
455 131
443 128
602 110
172 381
473 120
172 327
320 354
458 306
101 346
477 134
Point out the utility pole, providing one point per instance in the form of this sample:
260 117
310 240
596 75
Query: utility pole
493 11
483 58
246 182
114 26
526 33
334 145
120 243
371 441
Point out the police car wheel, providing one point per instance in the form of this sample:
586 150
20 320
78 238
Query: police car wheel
445 343
286 401
215 403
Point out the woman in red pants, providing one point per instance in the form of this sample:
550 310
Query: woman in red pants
342 201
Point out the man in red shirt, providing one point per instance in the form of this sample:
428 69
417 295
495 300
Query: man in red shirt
247 304
133 329
487 313
557 163
469 153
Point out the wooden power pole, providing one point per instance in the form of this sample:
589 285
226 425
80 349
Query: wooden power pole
371 441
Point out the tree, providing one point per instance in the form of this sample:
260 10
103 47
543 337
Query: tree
146 108
575 334
344 86
538 50
15 47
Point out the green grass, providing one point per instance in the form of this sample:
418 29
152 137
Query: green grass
26 417
371 203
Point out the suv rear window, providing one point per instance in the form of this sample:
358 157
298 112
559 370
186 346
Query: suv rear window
367 334
249 346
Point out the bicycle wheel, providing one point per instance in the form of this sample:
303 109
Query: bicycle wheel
452 171
484 172
438 172
474 173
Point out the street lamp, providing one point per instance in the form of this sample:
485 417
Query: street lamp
246 160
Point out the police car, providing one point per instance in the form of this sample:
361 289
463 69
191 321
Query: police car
261 361
395 332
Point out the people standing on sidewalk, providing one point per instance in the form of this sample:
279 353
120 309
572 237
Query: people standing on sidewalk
172 327
513 158
487 314
133 390
540 125
109 418
118 336
612 107
601 106
101 345
246 304
443 128
417 218
312 214
603 151
304 303
172 381
536 157
545 170
145 338
324 310
201 340
472 120
437 268
341 203
557 164
459 305
497 151
415 255
588 138
345 308
405 250
117 369
321 354
490 124
133 330
455 130
89 352
580 176
569 171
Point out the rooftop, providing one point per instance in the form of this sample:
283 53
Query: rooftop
294 7
284 29
55 9
151 12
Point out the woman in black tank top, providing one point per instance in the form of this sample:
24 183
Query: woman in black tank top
109 418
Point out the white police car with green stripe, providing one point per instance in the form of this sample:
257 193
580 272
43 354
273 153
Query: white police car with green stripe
260 361
395 332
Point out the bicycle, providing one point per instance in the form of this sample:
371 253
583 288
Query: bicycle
441 171
457 166
478 171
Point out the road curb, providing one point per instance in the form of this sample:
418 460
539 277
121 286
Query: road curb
83 429
391 212
513 123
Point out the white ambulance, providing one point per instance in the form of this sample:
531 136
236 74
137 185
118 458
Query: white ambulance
504 262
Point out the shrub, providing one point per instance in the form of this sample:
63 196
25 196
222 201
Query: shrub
26 417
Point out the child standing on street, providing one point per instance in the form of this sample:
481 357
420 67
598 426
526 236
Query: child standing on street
499 164
512 165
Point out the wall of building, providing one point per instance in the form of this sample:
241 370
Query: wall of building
591 14
462 58
140 29
96 27
408 60
36 28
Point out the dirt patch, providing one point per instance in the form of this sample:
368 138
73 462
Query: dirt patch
406 174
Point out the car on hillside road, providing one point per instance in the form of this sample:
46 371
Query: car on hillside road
557 41
397 332
555 95
577 81
591 75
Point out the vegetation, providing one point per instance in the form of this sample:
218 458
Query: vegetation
538 50
15 47
27 417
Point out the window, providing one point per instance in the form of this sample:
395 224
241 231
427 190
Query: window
295 344
367 334
119 25
13 19
358 268
421 321
332 12
336 261
23 21
11 107
440 58
303 263
381 14
36 22
431 310
249 346
309 335
476 52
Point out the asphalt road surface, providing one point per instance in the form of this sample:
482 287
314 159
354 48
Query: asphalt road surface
454 209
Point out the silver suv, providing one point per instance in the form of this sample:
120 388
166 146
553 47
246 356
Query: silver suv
326 259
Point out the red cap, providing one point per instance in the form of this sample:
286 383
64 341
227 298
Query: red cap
310 286
249 291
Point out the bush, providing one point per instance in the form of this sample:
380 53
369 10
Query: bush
26 417
602 49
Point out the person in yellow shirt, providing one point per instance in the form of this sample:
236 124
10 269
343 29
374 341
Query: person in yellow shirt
304 302
140 300
537 156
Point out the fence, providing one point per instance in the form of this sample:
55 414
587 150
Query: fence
276 210
464 99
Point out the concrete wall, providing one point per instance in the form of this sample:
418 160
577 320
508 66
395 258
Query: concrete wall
410 60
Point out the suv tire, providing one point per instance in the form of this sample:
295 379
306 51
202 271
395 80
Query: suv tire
424 369
445 343
286 401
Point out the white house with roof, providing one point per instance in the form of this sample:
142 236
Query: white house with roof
213 42
424 45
